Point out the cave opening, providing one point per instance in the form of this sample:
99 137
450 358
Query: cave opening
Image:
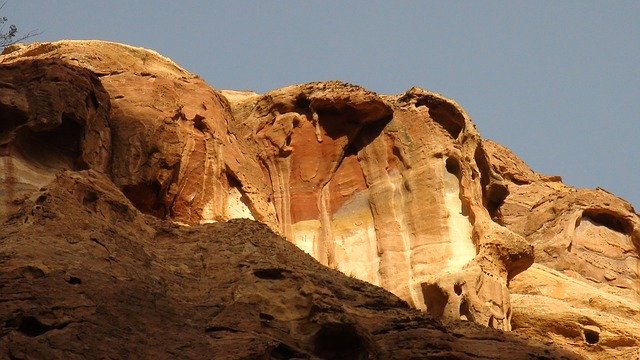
11 119
435 299
60 148
340 341
146 198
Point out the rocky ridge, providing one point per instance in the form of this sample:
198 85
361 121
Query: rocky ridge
398 191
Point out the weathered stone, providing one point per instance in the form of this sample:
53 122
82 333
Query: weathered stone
53 117
98 279
399 191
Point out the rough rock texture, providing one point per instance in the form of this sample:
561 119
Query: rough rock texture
584 289
399 191
123 284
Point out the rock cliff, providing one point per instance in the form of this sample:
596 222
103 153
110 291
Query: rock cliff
399 191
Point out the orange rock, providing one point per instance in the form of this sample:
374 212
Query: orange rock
400 191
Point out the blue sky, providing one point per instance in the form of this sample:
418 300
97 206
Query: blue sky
558 82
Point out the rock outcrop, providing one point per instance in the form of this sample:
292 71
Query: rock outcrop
398 191
86 275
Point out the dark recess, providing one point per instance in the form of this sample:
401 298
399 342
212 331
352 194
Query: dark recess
493 193
74 280
435 299
59 148
591 337
31 326
271 273
445 114
340 341
609 220
146 198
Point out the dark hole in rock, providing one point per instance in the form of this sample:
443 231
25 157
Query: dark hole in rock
445 114
146 198
465 313
59 148
366 135
495 197
302 102
41 199
266 317
339 341
282 352
435 299
493 193
398 154
271 273
11 118
199 124
219 328
457 288
32 327
611 221
89 198
592 337
453 167
74 280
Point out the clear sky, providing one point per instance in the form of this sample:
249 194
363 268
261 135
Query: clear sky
558 82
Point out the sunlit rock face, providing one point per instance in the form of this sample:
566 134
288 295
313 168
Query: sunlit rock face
400 191
583 290
386 189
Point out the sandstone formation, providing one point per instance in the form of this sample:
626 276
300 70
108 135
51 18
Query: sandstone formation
121 283
398 191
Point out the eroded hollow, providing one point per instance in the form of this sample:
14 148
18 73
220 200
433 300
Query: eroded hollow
591 336
459 224
611 221
59 148
340 341
444 114
465 312
457 288
31 326
11 119
435 299
146 198
493 193
271 273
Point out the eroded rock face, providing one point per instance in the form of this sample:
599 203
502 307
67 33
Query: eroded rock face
168 128
54 116
399 191
99 279
383 188
584 288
